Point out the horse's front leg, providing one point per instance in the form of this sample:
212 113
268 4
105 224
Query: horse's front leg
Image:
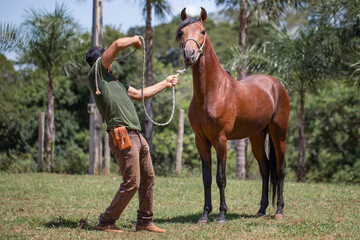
221 152
204 149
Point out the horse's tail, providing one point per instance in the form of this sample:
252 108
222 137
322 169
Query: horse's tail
273 175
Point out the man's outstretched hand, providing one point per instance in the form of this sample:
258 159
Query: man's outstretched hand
137 42
171 81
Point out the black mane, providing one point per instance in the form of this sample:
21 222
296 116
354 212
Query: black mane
186 22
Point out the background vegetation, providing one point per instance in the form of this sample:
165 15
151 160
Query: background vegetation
332 120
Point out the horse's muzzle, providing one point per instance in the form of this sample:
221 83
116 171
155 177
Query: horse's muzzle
189 56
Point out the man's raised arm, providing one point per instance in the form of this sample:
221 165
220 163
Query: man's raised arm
110 54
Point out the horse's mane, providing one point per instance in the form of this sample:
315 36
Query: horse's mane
184 23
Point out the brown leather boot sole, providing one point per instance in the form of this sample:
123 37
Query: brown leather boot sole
150 228
109 228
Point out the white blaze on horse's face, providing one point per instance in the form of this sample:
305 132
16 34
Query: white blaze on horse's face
192 40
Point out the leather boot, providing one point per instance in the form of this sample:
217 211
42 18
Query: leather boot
150 228
108 228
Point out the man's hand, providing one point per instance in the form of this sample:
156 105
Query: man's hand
118 45
137 42
171 81
151 91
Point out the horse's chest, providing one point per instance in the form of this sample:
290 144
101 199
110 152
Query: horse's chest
206 116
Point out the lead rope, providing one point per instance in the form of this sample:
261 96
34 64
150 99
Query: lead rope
178 72
142 91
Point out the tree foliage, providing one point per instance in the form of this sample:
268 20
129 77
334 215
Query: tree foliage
332 122
9 37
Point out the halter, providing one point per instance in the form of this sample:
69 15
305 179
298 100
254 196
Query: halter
201 47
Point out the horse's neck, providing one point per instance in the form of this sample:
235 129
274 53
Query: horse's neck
205 74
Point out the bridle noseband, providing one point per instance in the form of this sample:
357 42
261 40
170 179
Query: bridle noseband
201 47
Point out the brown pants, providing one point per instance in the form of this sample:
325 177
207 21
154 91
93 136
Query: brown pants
138 175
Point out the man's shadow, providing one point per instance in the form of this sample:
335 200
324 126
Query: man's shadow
62 222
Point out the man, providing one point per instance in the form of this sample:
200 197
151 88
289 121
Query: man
113 100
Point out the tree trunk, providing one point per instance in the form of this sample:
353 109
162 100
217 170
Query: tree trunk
149 127
179 148
241 146
41 142
240 158
97 32
243 37
50 126
95 145
98 140
301 167
92 129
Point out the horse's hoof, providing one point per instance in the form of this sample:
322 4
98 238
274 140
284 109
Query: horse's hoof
278 216
260 215
221 222
202 222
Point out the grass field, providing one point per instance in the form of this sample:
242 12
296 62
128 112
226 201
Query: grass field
51 206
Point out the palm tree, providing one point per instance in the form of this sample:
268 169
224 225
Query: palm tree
302 58
48 37
245 11
161 8
9 37
345 18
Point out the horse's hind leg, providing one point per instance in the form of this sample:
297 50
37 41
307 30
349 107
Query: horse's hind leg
204 149
258 149
278 138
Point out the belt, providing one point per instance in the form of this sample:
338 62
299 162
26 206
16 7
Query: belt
111 131
132 131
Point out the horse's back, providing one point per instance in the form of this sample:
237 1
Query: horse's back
261 80
265 83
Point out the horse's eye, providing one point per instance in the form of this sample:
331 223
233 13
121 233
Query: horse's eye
203 32
180 34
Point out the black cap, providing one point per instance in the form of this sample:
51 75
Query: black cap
93 54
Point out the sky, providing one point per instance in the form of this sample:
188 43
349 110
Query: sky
122 14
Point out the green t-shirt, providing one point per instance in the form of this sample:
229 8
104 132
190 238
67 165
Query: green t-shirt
114 104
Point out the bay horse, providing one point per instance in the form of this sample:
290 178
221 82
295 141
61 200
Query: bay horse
225 109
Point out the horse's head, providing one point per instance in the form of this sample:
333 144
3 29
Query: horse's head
192 34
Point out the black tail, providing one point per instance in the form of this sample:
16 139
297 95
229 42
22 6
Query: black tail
273 175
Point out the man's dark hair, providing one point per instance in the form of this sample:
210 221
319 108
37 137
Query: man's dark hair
93 54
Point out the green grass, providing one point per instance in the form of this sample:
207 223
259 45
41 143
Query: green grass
51 206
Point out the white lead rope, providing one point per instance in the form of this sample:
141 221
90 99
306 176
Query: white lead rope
142 91
179 72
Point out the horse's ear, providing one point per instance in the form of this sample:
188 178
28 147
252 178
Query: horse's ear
203 15
183 14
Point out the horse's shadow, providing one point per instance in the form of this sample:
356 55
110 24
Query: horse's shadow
193 218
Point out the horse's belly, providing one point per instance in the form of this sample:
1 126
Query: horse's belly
244 129
249 122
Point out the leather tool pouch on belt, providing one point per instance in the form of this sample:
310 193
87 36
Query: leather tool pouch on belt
121 138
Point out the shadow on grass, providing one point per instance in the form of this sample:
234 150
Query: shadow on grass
61 222
193 218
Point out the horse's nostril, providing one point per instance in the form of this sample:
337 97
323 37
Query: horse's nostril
188 53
